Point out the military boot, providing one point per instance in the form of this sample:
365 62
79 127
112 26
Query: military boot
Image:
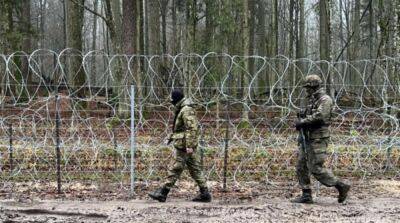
160 194
343 191
305 198
204 195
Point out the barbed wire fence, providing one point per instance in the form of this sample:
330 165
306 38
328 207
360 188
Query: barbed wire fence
69 113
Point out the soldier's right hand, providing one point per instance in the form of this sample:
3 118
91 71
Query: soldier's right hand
299 140
301 113
168 140
189 150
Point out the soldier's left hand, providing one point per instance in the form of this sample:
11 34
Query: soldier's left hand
189 150
168 140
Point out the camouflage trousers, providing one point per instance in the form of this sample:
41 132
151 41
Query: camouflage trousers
182 160
312 162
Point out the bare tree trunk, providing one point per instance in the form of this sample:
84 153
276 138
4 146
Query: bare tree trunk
42 23
164 11
129 26
186 46
283 25
146 26
387 25
140 30
117 18
111 24
248 49
64 4
301 43
274 48
76 76
155 41
292 31
262 43
193 20
94 36
116 44
141 35
174 44
372 30
208 44
291 28
397 11
12 43
396 79
26 27
354 51
105 30
164 69
324 32
325 41
9 43
154 27
341 34
276 28
3 27
190 26
251 35
129 38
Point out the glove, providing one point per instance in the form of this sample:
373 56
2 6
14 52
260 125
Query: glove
169 139
300 124
301 113
299 140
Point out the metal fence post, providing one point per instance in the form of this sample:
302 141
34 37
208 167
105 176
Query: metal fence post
226 147
132 140
10 132
115 143
58 153
388 165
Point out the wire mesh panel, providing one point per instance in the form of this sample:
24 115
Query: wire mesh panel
256 97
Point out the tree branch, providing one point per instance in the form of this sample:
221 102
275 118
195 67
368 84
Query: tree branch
91 11
352 33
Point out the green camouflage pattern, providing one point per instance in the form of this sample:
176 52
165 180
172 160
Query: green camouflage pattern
185 135
312 161
192 161
186 128
318 115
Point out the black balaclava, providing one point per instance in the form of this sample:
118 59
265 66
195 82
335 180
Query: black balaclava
176 96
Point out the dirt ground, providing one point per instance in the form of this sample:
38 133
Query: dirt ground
375 201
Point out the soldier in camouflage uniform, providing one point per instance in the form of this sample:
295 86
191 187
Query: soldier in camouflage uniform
185 140
314 122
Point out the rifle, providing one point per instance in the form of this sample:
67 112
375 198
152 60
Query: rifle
169 139
302 140
302 136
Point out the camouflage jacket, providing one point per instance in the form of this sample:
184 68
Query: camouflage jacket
318 115
185 132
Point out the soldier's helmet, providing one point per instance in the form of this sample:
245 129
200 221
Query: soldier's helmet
312 81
